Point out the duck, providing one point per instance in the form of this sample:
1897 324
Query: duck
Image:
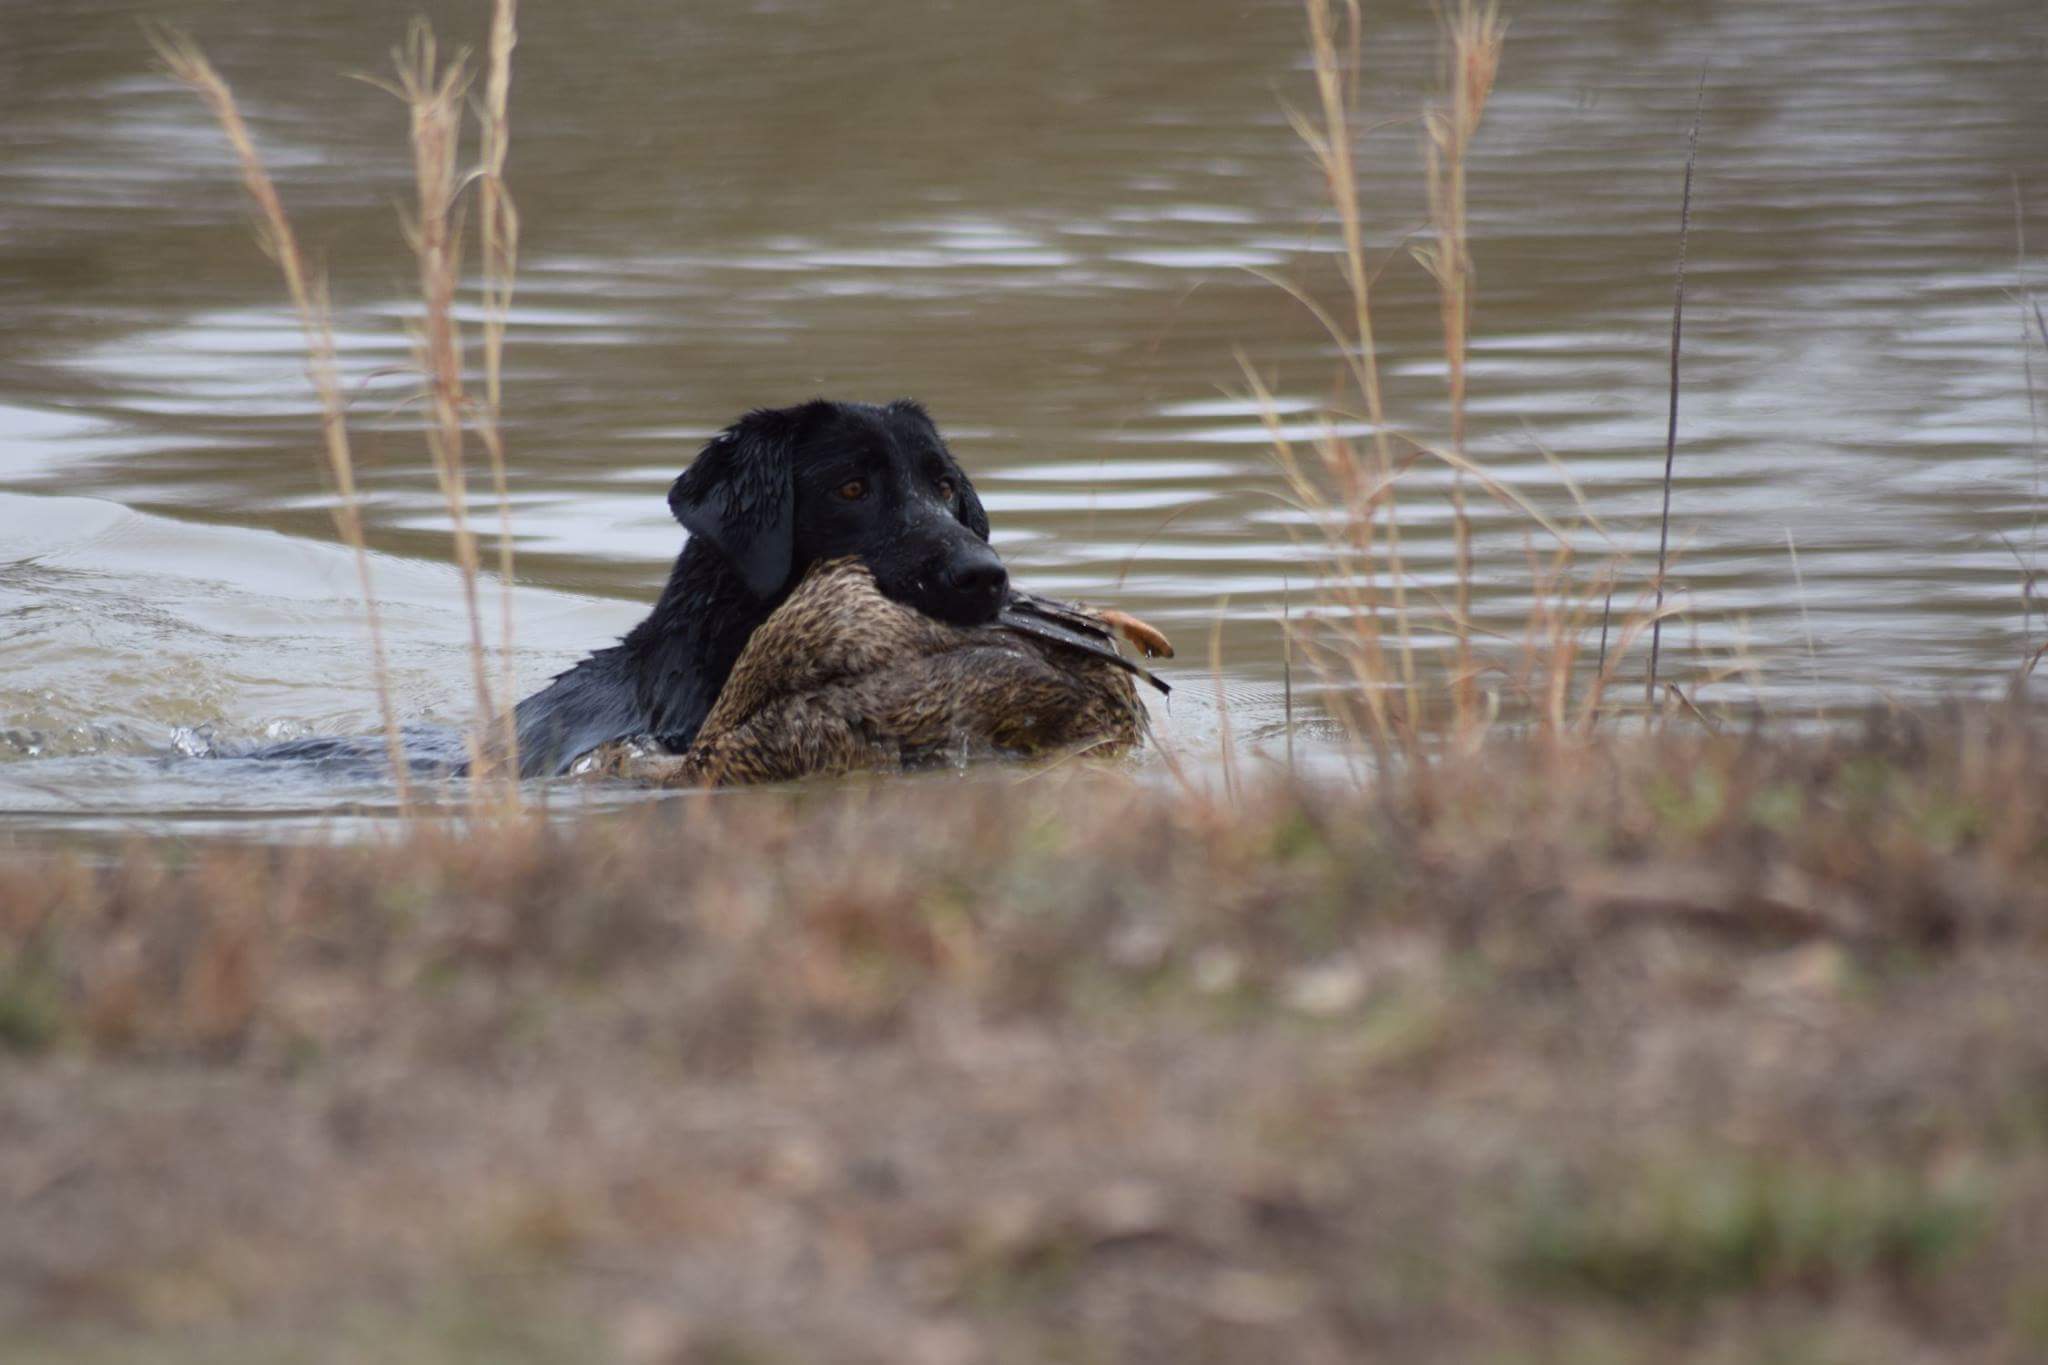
843 679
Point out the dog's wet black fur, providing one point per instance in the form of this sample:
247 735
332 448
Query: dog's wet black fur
776 492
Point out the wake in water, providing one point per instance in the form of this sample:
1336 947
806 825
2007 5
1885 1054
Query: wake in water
136 643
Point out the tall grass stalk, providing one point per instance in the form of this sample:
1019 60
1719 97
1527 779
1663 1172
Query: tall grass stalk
1287 667
498 227
1473 35
1671 430
308 292
1350 493
433 94
1348 585
2030 576
1805 622
1336 72
1225 741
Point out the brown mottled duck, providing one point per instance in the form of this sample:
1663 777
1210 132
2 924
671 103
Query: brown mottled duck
842 679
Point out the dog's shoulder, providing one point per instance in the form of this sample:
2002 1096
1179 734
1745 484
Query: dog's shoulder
588 705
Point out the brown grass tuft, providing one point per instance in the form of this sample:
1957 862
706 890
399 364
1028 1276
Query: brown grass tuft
1472 40
434 95
1677 1044
498 226
1363 639
308 293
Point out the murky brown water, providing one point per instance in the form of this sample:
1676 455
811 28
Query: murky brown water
1037 218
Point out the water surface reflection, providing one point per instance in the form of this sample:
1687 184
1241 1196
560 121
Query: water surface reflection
1039 220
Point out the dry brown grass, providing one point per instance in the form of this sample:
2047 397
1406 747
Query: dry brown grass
1473 36
1364 639
308 292
498 234
435 95
1684 1047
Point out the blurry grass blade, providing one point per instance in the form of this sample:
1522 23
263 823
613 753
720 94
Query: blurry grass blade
308 294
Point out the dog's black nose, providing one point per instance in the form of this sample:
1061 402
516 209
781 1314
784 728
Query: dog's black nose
981 582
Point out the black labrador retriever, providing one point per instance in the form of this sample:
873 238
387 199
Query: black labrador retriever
774 493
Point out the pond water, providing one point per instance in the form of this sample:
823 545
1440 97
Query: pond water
1043 220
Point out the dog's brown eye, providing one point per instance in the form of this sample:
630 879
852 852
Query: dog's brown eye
853 490
945 490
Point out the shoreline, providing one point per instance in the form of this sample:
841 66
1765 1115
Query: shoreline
1540 1054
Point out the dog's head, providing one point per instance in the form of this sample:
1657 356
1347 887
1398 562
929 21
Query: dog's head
784 488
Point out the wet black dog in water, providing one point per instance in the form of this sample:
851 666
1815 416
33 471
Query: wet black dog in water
771 495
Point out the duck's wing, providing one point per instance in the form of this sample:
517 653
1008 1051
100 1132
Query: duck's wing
1063 623
1102 623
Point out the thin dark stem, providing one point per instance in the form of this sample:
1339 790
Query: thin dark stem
1606 612
1671 431
2019 233
1287 664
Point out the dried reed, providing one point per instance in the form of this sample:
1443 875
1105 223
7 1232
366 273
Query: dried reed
1332 145
1375 684
1225 742
498 225
1347 493
308 292
433 95
1473 37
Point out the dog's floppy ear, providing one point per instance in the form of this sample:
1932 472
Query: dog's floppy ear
740 495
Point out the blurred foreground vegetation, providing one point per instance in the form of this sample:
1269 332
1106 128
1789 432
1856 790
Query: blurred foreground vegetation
1685 1046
